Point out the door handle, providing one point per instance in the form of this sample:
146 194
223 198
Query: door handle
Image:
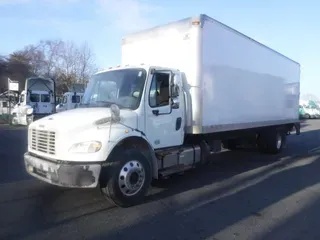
155 112
178 123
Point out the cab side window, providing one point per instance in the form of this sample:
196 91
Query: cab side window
159 90
75 99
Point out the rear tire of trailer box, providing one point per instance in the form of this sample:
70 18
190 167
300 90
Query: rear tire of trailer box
271 141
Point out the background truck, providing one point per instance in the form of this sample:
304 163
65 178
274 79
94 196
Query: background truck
72 98
307 110
39 94
69 101
206 86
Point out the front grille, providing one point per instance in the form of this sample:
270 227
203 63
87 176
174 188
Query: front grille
43 141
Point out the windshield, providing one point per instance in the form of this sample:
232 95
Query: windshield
123 87
45 98
34 97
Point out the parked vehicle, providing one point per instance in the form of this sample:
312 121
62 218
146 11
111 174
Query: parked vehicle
35 102
308 111
302 113
206 86
70 100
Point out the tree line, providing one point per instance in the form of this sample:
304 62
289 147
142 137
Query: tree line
64 62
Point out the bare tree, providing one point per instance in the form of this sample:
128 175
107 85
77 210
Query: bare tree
35 57
65 62
19 67
76 64
3 73
86 64
52 50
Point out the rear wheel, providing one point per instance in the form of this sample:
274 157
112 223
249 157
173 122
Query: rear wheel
271 141
128 178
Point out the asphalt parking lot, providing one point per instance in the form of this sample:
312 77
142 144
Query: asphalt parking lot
239 195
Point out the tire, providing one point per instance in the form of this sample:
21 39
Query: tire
115 186
307 116
29 122
271 142
14 120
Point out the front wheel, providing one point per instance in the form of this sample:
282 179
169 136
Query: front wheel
14 120
29 120
128 178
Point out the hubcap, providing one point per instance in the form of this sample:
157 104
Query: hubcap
279 141
14 120
131 178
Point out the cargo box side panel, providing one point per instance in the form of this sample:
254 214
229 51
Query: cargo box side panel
245 84
175 45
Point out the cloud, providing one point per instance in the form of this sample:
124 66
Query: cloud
16 2
119 16
13 2
128 15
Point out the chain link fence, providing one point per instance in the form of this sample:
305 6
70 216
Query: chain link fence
6 107
4 111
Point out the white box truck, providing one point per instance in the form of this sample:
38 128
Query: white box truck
35 102
202 86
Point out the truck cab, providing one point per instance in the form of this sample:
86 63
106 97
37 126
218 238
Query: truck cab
38 101
139 106
38 95
69 101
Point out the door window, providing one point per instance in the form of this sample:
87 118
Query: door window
75 99
65 99
159 90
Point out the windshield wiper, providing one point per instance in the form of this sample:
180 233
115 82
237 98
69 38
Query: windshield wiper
105 102
93 104
109 103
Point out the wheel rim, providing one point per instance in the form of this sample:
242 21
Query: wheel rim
14 120
131 178
279 141
29 121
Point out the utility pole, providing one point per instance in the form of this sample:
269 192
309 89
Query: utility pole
9 96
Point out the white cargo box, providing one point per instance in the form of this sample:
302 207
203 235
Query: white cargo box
234 81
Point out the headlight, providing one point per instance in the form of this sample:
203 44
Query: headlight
86 147
29 111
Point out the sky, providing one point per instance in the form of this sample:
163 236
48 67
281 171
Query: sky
291 27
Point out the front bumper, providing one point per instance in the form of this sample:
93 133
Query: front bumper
74 175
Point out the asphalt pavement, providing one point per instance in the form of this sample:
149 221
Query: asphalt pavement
239 195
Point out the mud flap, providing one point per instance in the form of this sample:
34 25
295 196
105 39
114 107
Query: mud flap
297 126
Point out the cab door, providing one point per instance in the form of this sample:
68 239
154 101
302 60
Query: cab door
164 116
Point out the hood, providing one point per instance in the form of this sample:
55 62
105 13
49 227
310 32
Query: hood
83 118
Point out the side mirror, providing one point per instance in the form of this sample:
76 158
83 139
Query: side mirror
174 91
175 104
174 86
